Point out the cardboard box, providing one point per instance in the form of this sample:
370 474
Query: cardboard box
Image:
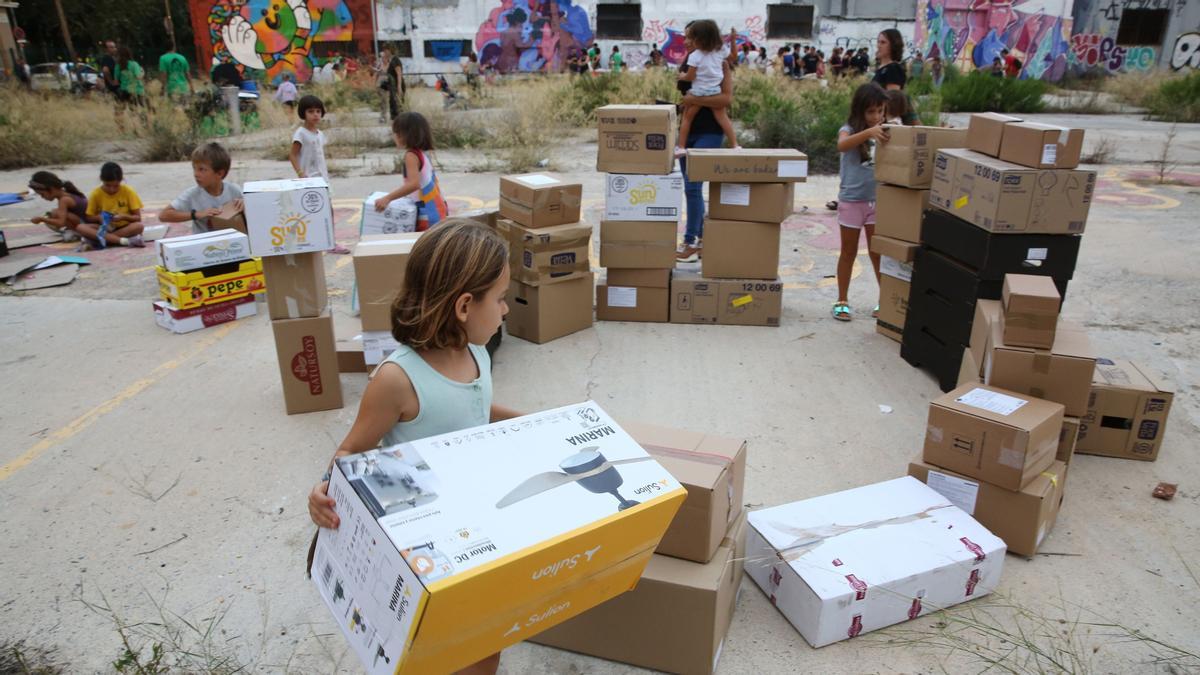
539 200
194 251
1127 412
209 285
755 202
674 620
969 370
1067 439
379 264
1031 305
294 215
230 218
549 311
532 520
350 355
907 157
637 244
985 132
747 165
987 315
643 197
999 196
636 139
713 469
844 564
547 254
991 256
634 295
1022 519
205 316
295 285
1041 146
307 364
727 302
1062 374
377 345
898 212
740 250
895 267
399 216
484 216
992 434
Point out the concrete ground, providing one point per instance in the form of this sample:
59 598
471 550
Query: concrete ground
156 472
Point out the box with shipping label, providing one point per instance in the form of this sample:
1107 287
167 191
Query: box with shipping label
1041 146
991 255
379 264
898 212
377 345
533 520
1031 305
547 254
632 244
740 250
182 254
629 196
633 295
210 284
1000 196
636 139
295 285
844 564
1067 439
727 302
187 320
1062 374
713 469
294 215
1127 412
307 356
754 202
985 132
907 157
1022 519
747 165
675 620
400 215
994 435
895 267
987 316
540 200
549 311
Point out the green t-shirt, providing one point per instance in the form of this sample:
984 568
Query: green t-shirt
616 60
175 65
130 78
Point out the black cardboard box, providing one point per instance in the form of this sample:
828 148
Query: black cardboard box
991 256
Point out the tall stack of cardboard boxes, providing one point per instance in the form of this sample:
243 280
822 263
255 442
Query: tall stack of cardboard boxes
290 224
751 193
206 279
550 292
696 566
903 171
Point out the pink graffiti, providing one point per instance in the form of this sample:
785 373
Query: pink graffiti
1093 49
756 28
656 30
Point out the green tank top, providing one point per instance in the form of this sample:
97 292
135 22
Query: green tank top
445 405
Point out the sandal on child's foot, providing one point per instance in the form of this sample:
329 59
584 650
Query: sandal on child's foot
875 312
841 311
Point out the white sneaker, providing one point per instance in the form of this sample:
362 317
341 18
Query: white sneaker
70 235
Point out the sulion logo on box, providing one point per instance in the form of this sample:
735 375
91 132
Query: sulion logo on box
651 488
565 563
306 367
292 228
647 193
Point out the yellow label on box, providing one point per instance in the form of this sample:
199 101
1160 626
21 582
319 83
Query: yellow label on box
744 300
960 202
194 289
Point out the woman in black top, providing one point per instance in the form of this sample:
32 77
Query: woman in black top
890 53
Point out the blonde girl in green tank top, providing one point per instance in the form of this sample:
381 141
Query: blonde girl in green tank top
439 380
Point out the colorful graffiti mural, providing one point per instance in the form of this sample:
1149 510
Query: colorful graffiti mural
971 33
277 36
1186 53
532 35
1092 50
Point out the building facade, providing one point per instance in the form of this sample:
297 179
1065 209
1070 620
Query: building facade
1132 36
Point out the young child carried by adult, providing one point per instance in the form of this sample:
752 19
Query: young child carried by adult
414 138
705 72
70 205
114 213
857 140
210 194
439 380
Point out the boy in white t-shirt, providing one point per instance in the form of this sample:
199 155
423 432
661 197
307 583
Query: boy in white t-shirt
705 72
204 200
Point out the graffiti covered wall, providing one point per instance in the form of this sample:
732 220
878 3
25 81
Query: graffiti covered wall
1097 26
971 33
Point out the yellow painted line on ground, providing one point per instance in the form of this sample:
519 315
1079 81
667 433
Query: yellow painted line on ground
138 270
85 420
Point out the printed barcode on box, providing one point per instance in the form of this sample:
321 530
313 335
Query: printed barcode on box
661 211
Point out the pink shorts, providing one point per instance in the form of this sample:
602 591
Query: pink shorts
856 214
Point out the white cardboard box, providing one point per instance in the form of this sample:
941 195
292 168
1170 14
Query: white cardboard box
859 560
377 346
288 216
194 251
453 547
187 320
631 196
399 216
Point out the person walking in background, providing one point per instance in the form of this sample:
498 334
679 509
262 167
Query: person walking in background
835 62
615 60
397 89
916 66
286 92
382 82
108 69
763 62
936 73
173 70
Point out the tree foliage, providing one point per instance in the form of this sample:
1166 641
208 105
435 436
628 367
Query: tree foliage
136 23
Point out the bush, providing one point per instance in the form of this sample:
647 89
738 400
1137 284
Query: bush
1177 99
806 119
981 92
38 130
169 135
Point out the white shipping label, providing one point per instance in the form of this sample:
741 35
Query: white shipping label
894 268
1037 254
992 401
622 296
735 194
961 493
793 168
537 179
1050 153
